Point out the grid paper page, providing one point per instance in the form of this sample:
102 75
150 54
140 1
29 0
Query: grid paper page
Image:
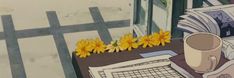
149 71
98 72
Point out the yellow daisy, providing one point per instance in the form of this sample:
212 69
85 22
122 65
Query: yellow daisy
83 48
162 37
114 46
147 41
128 42
98 46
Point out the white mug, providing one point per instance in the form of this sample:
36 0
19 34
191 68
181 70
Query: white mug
202 51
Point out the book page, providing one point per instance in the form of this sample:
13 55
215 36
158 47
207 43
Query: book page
138 71
203 25
186 28
225 71
98 72
215 2
194 21
158 70
201 18
228 47
223 18
213 25
230 11
224 21
192 27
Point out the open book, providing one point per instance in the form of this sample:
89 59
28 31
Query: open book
225 71
218 20
151 67
228 47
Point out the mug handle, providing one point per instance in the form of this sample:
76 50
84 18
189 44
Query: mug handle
213 63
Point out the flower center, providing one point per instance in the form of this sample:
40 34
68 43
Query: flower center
147 40
83 48
98 45
161 37
129 41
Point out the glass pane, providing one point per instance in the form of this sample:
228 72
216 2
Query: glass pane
143 13
162 13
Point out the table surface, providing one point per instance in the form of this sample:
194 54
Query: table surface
95 60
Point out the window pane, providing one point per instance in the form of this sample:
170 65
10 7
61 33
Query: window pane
162 11
142 16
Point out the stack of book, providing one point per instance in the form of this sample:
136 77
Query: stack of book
179 60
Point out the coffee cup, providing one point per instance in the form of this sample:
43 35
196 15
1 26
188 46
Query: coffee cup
202 51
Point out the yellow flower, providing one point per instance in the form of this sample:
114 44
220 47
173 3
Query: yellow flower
147 41
83 48
128 42
98 46
114 46
162 37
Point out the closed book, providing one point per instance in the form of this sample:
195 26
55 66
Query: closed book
179 60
